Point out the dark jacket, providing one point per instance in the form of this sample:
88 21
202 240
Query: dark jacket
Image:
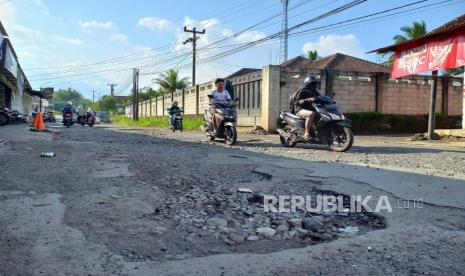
173 110
305 93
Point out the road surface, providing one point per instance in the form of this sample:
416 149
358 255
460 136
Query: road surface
131 201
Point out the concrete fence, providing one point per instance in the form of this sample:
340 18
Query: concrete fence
263 94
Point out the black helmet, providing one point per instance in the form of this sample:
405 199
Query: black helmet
311 79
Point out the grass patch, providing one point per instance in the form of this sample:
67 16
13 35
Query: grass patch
190 122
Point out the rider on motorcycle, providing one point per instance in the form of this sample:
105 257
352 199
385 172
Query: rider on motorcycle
220 94
303 103
68 108
173 110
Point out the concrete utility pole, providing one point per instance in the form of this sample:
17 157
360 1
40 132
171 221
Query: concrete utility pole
193 39
135 94
112 88
284 34
93 96
432 105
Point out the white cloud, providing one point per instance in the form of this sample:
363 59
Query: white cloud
119 38
26 33
155 24
73 41
90 26
331 44
227 32
250 36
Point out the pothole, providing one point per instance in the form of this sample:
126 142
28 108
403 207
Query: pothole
202 222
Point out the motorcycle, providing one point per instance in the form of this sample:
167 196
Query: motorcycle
226 115
176 122
4 116
88 118
49 117
68 119
16 117
332 128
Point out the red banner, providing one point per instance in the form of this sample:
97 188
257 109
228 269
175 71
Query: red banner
432 55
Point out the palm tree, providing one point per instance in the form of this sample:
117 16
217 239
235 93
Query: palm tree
170 81
417 30
312 55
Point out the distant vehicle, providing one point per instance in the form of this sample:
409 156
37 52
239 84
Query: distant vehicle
68 119
49 117
102 117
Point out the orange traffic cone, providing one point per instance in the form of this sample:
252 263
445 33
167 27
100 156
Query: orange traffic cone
39 123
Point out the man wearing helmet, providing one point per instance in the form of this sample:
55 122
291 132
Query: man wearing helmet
68 108
173 110
303 103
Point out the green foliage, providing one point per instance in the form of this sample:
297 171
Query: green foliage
148 93
417 30
454 71
170 81
313 55
108 103
191 122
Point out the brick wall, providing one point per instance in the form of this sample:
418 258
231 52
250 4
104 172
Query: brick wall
354 92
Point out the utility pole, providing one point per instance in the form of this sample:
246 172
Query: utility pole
112 88
193 39
93 96
135 94
284 33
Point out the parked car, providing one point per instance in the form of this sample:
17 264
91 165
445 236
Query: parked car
102 116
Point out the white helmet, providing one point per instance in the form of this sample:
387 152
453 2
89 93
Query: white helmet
70 102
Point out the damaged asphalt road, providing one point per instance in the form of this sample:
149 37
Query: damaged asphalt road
113 202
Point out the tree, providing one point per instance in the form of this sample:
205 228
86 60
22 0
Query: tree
147 93
416 30
62 96
313 55
170 81
108 103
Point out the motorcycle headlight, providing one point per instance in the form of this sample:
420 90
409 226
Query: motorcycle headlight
343 117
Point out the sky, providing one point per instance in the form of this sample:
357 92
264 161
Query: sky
89 44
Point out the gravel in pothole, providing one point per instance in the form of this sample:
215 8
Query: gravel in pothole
202 222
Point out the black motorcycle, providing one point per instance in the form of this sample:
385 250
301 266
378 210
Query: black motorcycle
226 116
332 128
4 116
16 117
88 118
176 122
49 117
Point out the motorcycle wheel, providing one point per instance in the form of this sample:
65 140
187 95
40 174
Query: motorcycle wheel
231 135
285 142
180 126
68 123
340 139
4 119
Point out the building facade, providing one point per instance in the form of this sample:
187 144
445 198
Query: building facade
15 91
